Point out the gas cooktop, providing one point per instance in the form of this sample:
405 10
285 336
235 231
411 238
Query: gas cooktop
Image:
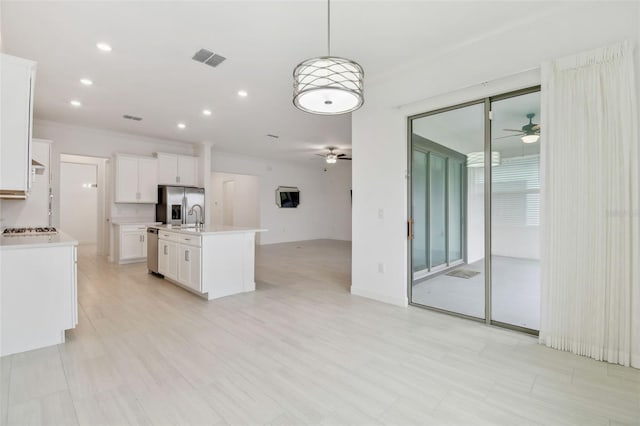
36 230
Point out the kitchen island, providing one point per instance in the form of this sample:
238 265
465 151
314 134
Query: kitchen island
38 290
212 261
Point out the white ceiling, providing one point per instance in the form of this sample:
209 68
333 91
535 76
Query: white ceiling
150 73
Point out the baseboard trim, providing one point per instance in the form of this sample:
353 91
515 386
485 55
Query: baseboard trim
397 301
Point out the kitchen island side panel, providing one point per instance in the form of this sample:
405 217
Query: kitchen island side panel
38 302
228 264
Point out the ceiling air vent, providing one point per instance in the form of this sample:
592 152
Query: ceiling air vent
207 57
132 117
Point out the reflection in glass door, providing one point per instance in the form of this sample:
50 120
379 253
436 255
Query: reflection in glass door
441 209
437 211
419 188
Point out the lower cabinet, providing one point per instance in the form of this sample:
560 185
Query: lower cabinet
168 259
37 304
131 243
180 262
189 271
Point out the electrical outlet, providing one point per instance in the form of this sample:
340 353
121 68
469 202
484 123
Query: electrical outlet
380 213
381 267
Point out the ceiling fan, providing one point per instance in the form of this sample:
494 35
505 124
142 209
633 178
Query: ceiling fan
331 157
529 133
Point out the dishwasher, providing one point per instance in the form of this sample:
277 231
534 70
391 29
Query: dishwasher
152 250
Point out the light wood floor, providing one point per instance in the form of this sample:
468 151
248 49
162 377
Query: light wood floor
300 350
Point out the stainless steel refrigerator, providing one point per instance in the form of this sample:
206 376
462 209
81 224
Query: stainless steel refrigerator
175 203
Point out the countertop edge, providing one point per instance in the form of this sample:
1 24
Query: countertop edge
62 239
208 233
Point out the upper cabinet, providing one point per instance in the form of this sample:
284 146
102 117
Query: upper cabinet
175 169
136 179
16 114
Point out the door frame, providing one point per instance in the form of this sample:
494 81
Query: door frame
486 101
101 163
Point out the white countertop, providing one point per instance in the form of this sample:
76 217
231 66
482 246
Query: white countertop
132 221
208 230
36 241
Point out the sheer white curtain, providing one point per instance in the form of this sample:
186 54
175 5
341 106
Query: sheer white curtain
590 212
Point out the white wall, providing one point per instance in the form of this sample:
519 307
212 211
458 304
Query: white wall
93 142
245 204
457 74
68 139
324 210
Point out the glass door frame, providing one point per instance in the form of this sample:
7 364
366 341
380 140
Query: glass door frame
486 101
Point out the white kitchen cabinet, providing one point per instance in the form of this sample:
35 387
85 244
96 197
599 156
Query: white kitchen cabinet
148 180
16 116
37 304
136 179
188 170
131 243
168 259
210 262
189 268
180 259
175 169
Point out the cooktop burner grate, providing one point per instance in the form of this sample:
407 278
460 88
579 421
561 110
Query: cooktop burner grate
34 230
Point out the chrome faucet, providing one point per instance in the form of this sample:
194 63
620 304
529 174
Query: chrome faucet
199 222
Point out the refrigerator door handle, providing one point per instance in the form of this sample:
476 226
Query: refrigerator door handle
184 209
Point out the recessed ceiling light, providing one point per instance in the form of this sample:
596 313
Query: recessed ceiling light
206 112
182 126
86 81
242 93
75 103
104 47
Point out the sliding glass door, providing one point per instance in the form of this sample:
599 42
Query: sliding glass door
475 201
444 216
515 211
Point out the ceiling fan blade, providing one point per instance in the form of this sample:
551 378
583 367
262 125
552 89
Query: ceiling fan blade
344 158
508 136
513 130
321 155
341 155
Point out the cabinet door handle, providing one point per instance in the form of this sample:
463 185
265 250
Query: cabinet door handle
178 179
186 255
165 250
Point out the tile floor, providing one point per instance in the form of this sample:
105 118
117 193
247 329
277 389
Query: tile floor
300 350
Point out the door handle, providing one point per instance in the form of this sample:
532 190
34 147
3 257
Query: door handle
165 250
410 229
186 255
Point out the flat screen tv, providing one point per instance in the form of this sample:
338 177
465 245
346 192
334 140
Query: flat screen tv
287 197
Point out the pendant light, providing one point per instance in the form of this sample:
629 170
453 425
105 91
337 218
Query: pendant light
328 85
